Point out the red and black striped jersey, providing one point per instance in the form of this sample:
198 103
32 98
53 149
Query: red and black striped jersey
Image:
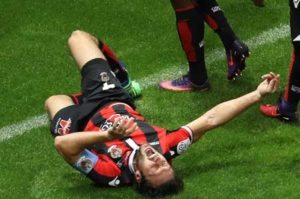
115 157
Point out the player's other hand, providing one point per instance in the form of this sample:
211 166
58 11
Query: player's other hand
122 127
269 85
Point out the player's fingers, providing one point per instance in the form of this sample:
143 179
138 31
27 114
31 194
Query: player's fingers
128 122
116 124
131 129
266 76
272 85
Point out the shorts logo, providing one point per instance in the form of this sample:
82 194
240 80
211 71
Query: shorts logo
64 126
115 152
104 77
296 3
183 146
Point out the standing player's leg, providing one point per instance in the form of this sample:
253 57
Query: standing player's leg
286 108
236 50
190 27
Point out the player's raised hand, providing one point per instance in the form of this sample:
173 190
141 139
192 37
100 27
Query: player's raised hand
269 85
122 127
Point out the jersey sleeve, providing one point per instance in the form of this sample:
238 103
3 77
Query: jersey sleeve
99 169
179 140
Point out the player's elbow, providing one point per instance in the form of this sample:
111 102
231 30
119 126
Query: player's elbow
62 146
66 149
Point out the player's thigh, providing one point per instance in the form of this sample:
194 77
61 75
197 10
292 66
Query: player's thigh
57 102
84 47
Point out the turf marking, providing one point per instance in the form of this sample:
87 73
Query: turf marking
13 130
266 37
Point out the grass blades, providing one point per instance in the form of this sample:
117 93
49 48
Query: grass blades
250 157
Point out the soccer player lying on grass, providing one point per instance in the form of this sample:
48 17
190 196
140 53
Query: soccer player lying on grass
100 133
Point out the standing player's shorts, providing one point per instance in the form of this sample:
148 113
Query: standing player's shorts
99 86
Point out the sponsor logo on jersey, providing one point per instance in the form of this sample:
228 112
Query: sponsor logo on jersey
296 3
114 151
110 121
64 126
183 146
115 182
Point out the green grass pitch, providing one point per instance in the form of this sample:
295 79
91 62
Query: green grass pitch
250 157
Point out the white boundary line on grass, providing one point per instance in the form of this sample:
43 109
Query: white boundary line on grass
266 37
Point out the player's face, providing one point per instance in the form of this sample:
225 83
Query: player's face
154 166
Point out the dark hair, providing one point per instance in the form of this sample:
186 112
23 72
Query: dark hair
172 186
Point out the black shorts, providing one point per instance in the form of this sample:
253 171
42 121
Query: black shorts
99 86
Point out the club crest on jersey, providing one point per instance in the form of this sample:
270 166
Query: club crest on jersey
296 3
64 126
114 152
183 146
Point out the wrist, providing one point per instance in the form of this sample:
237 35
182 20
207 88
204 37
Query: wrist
257 95
108 135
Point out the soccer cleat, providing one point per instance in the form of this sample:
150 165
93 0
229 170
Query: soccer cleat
259 3
133 88
269 110
236 57
275 111
183 84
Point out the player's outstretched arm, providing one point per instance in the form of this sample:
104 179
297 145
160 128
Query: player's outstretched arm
71 145
224 112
